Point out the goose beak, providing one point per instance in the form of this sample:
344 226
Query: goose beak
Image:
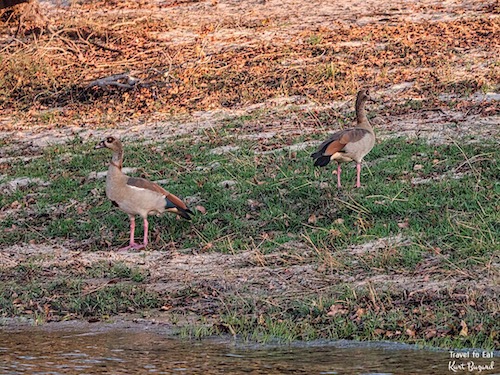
100 145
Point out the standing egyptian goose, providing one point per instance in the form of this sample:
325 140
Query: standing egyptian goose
349 144
137 196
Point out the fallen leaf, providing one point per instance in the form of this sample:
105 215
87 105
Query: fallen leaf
207 247
201 209
257 182
312 219
360 312
253 204
14 205
262 321
418 167
265 236
335 232
379 331
404 224
337 310
430 333
465 330
410 332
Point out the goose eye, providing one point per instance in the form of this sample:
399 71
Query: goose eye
110 139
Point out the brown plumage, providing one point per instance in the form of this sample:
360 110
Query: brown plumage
180 207
349 144
137 196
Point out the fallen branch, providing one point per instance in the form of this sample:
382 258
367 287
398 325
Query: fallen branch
106 48
123 81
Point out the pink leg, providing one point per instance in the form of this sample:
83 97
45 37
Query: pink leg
339 170
145 232
358 178
132 244
132 230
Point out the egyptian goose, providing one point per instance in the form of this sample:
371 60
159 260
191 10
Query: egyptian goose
349 144
137 196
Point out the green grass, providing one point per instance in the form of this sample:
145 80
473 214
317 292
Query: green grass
310 318
68 299
450 218
116 270
424 322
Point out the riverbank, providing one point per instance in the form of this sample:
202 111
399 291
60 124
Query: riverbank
275 249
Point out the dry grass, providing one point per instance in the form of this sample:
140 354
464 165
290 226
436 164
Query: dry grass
188 64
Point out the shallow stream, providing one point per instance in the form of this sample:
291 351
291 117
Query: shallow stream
101 349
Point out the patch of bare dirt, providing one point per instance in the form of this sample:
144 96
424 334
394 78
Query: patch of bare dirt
11 186
439 126
246 273
380 244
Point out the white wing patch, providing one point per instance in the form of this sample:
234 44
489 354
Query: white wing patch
137 188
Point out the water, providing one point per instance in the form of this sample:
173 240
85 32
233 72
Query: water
94 350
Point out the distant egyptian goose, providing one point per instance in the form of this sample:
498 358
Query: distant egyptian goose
349 144
137 196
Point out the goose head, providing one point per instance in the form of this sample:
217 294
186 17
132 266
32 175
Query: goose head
112 143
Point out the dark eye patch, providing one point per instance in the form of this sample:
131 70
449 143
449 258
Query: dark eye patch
110 139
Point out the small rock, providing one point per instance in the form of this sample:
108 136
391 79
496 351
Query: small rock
227 183
211 167
192 200
96 175
214 165
161 182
